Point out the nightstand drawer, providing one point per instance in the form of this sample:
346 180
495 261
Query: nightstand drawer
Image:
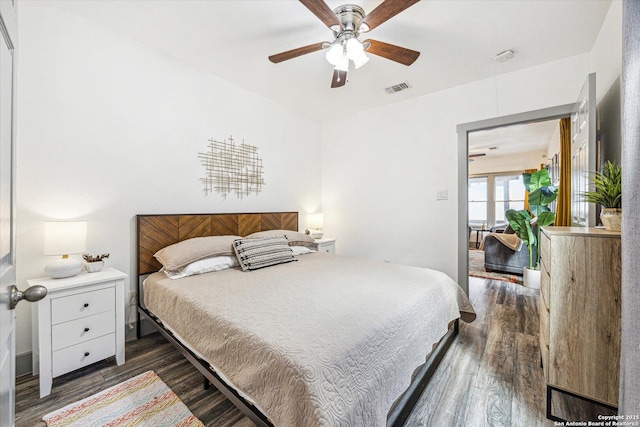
81 330
327 249
80 355
82 305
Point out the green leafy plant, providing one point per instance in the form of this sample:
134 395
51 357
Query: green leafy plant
520 221
94 258
541 195
607 186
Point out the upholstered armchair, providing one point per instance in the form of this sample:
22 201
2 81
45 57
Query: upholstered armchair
500 258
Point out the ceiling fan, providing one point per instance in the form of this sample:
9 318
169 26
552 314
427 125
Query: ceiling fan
347 23
472 156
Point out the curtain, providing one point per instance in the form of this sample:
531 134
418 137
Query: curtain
563 210
629 401
526 193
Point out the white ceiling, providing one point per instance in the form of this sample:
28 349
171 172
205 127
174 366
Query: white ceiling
457 41
514 139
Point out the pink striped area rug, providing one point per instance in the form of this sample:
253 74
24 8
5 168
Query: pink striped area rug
144 400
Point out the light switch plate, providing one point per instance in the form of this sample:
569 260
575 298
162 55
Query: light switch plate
442 194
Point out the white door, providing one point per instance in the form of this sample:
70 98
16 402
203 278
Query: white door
583 153
8 34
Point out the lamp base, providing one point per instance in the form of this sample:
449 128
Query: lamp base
62 268
316 234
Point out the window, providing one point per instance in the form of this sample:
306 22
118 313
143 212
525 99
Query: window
478 200
508 194
492 195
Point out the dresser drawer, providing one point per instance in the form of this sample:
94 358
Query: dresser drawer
544 336
83 354
544 354
81 330
545 250
82 305
545 279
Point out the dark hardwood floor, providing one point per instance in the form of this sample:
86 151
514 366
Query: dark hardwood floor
491 375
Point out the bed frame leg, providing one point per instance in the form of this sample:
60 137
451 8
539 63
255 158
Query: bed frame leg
138 327
205 383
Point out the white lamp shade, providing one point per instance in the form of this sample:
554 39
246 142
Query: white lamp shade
334 54
316 220
354 48
65 237
343 63
360 59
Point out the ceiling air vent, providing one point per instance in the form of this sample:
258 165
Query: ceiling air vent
397 88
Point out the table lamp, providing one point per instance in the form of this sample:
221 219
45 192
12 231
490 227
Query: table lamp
64 238
316 222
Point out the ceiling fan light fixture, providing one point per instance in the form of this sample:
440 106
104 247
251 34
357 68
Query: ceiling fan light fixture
347 23
335 54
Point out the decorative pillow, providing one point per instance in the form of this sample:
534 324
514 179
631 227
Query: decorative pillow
295 238
301 250
205 265
182 253
262 252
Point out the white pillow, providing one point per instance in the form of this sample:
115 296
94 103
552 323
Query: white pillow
214 263
301 250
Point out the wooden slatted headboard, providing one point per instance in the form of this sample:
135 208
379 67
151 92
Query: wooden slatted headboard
157 231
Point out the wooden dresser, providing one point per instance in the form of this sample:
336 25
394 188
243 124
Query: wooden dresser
580 313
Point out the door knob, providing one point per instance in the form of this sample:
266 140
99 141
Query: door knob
34 293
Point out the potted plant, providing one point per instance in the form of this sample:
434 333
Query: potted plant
94 263
541 195
608 194
520 222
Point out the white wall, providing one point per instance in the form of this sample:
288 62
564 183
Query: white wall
554 144
605 58
109 129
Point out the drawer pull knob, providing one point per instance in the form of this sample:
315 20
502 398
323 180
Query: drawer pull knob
86 304
86 353
86 329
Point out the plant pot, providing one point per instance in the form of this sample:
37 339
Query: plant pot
531 278
94 267
611 219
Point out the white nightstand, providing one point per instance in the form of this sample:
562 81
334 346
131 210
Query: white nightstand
79 322
327 245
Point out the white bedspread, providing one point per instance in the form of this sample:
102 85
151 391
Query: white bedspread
325 341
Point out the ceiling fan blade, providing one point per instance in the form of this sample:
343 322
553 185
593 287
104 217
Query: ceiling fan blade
339 78
395 53
294 53
385 11
324 13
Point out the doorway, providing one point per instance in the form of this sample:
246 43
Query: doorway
464 131
497 160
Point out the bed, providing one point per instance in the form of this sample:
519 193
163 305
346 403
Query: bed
322 340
